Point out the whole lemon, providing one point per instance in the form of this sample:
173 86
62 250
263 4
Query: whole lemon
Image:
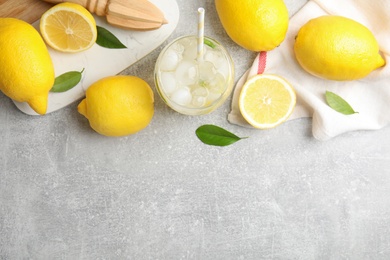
26 69
256 25
118 105
337 48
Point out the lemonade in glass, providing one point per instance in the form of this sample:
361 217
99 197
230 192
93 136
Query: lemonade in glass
190 85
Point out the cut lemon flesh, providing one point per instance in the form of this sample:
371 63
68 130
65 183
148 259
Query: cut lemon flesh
68 27
266 101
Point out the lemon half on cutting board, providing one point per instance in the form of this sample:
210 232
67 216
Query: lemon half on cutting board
68 27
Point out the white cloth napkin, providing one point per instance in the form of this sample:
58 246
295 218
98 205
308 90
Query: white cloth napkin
369 96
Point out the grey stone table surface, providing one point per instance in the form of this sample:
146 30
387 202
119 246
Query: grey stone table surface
67 192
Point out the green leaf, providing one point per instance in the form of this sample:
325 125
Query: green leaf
338 103
215 135
209 43
66 81
108 40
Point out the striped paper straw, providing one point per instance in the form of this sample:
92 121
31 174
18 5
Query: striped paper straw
200 33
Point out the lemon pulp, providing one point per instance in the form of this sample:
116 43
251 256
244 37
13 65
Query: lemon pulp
266 101
68 27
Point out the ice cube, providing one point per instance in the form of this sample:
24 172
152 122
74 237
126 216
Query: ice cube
186 72
190 50
199 96
212 97
181 96
170 60
178 48
168 82
224 69
185 42
206 71
200 91
217 84
198 102
215 57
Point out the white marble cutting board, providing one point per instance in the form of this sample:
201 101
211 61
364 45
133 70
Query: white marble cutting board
100 62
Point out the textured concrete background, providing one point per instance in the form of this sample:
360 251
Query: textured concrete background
68 193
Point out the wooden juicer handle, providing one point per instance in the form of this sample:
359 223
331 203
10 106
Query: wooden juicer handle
128 14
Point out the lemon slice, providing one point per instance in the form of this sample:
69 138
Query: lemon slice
266 101
68 27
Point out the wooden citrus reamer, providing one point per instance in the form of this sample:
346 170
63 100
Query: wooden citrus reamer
129 14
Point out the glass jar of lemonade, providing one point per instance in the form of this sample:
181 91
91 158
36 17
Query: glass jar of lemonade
190 85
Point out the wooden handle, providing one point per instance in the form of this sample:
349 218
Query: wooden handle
94 6
133 10
131 14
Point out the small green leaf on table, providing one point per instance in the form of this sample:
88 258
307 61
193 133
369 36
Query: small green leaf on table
339 104
215 135
107 39
66 81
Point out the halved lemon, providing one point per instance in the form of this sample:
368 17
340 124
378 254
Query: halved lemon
68 27
266 101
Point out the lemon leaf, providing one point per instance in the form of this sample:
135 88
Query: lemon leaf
209 43
215 135
339 104
66 81
107 39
